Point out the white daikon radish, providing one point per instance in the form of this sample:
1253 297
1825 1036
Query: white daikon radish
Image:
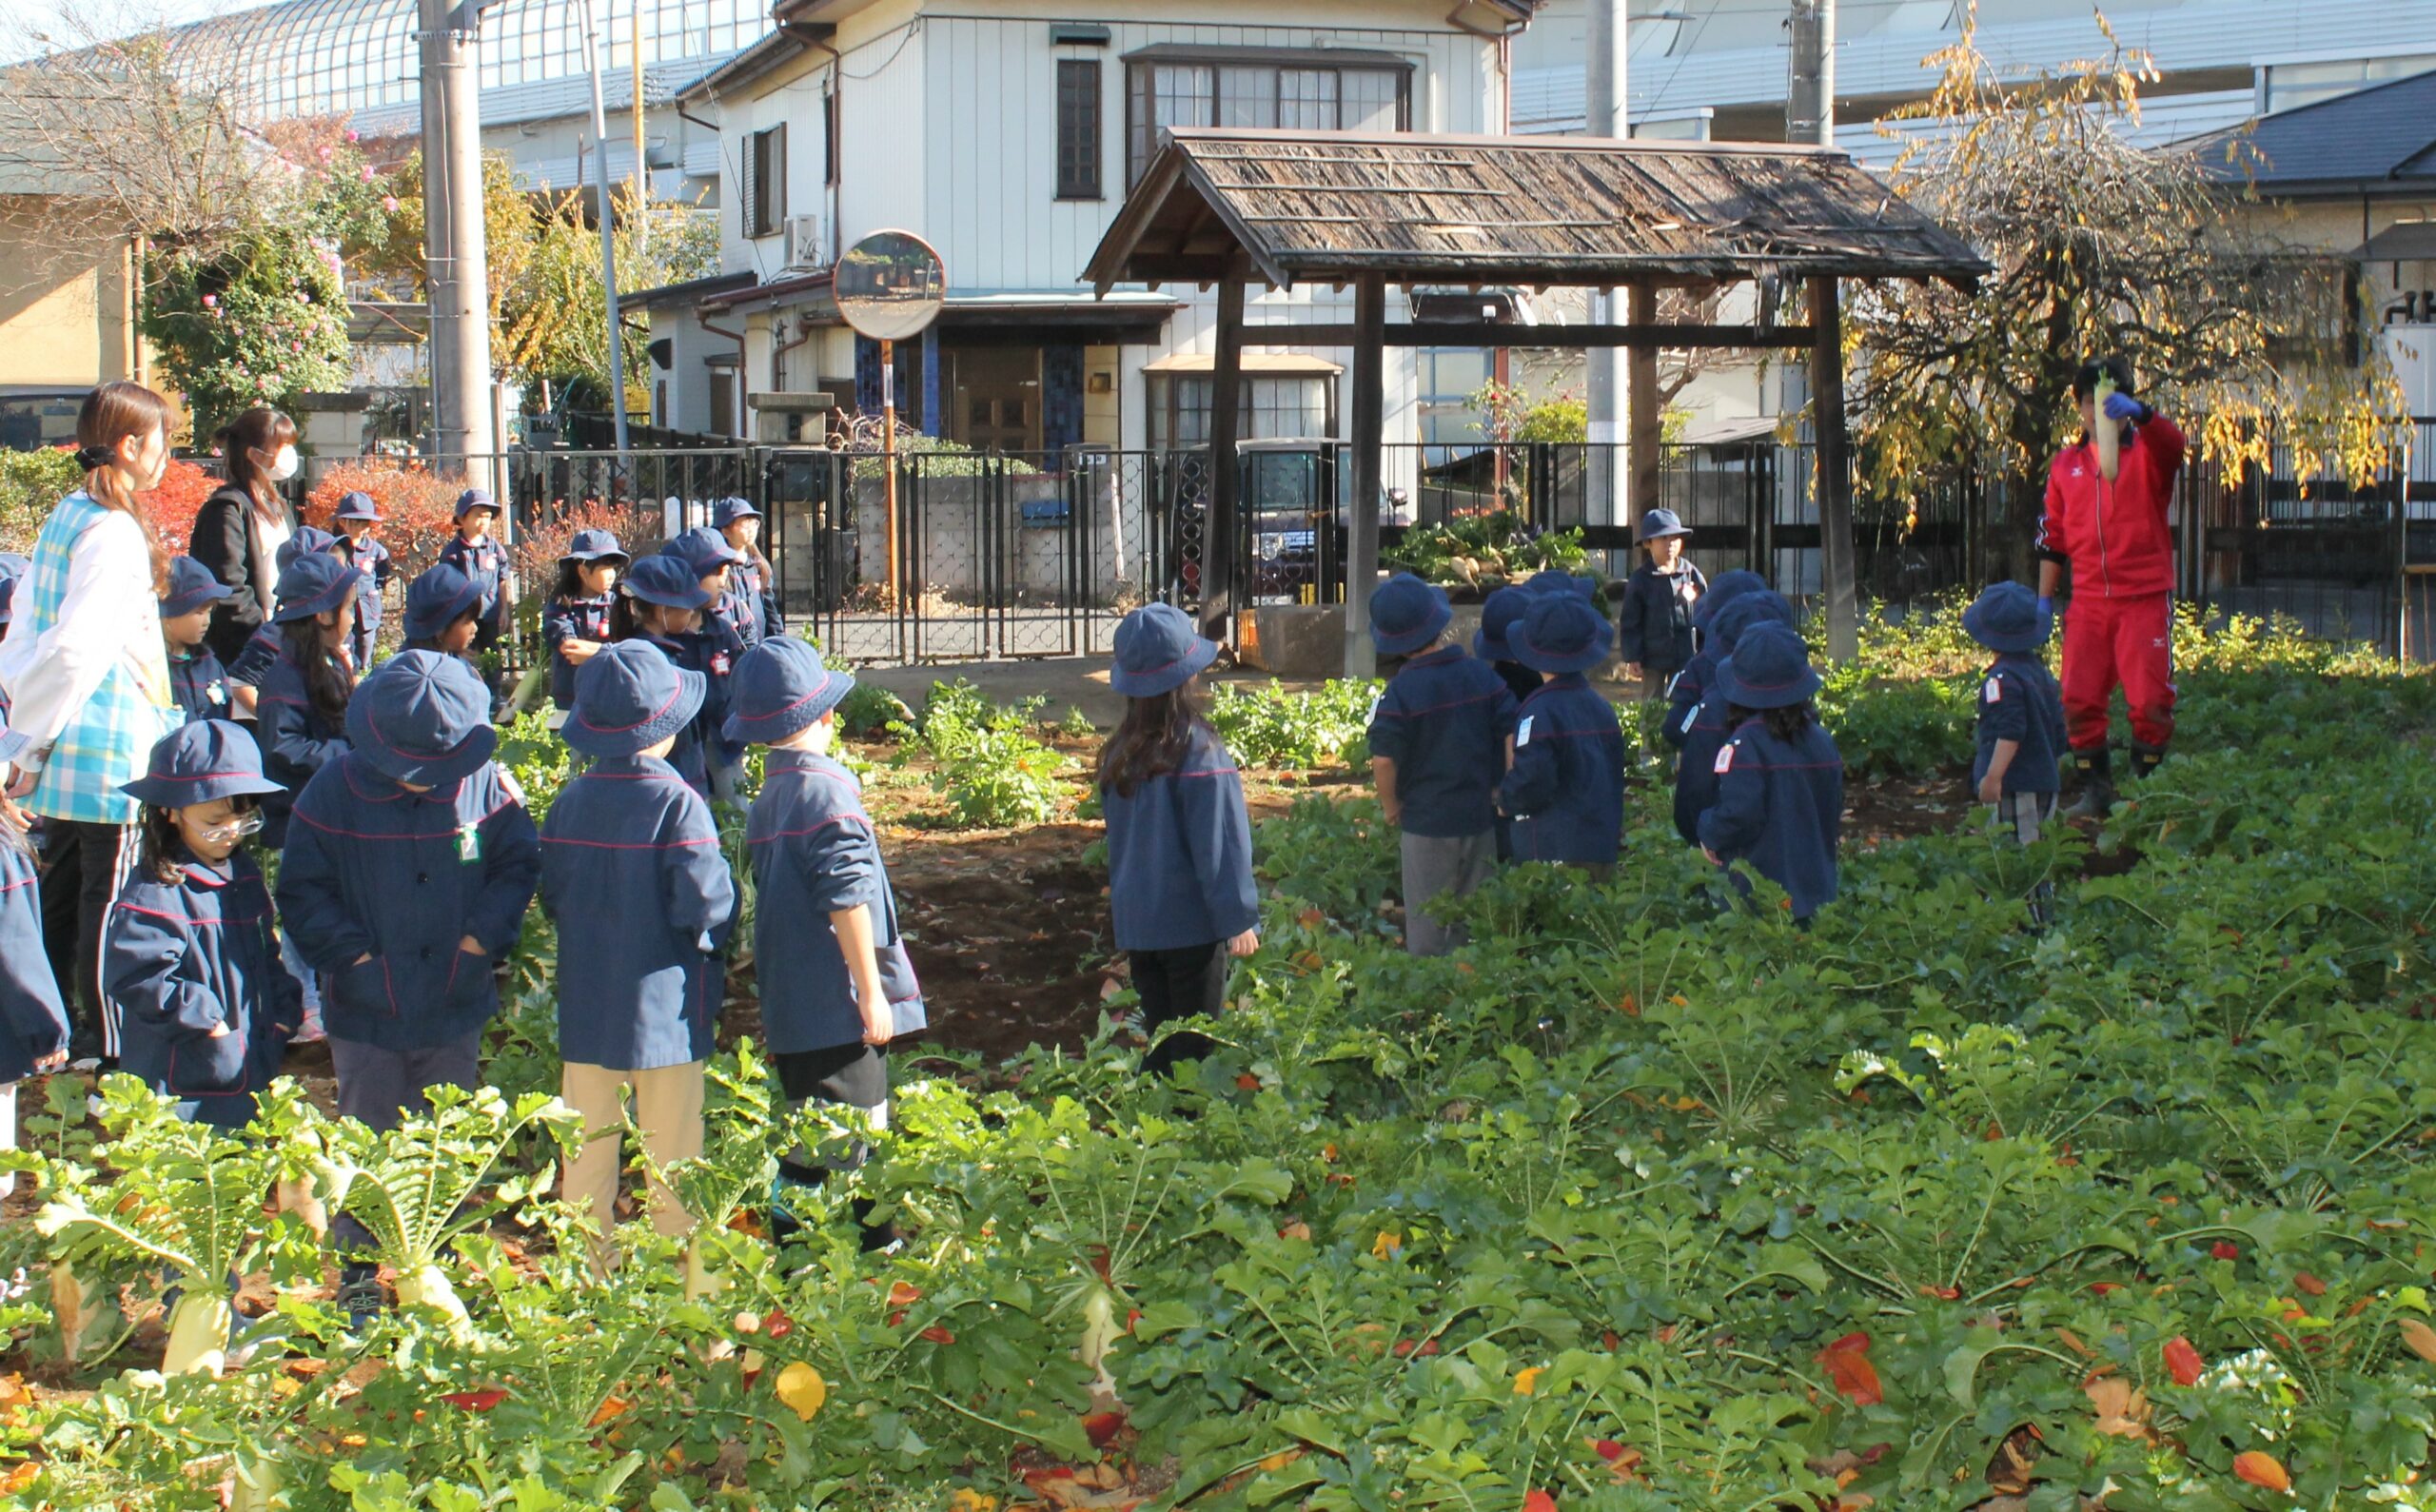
198 1335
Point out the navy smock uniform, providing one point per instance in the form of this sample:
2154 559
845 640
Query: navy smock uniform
571 619
181 960
484 565
261 652
756 601
1699 728
297 740
31 1008
713 651
814 853
1566 788
1780 807
632 871
200 684
1654 627
1180 854
1443 721
2020 701
372 868
364 629
689 756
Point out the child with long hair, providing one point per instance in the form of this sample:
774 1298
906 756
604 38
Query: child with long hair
1179 838
190 955
576 625
661 602
301 708
1780 777
261 651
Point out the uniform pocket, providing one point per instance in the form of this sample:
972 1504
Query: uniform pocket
363 988
209 1064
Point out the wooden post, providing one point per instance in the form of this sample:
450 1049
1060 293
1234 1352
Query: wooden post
1834 479
1369 427
1647 421
1225 403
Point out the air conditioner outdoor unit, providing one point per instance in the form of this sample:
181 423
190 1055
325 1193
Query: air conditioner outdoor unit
807 243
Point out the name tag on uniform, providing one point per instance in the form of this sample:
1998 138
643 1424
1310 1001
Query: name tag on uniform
1690 714
719 665
1376 700
1724 759
217 693
469 843
1994 690
1522 731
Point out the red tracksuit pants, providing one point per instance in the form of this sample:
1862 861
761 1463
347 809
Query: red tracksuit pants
2126 642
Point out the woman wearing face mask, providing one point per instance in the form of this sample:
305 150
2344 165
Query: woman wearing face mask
240 528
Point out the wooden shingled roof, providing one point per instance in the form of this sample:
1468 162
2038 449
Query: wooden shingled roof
1328 207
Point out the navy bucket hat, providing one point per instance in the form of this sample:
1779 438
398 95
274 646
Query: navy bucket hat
1770 669
1659 523
781 687
726 512
702 549
666 581
594 546
191 587
1406 614
438 598
2004 618
1551 580
200 761
314 584
473 498
356 505
1760 607
1723 589
1562 633
1500 613
307 540
424 717
629 697
1158 651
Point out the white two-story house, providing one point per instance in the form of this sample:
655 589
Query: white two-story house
1006 132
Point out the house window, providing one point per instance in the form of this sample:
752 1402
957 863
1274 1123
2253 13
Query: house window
1078 128
1450 377
1272 408
1299 92
765 182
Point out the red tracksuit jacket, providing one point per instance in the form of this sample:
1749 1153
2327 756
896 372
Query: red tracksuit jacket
2115 535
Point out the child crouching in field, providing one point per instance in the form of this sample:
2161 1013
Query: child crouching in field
1181 898
1780 781
1437 754
1566 787
2021 719
836 985
190 955
632 871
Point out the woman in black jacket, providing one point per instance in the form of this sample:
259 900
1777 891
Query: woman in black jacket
238 528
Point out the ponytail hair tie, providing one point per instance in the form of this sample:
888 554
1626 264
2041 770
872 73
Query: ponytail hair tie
92 458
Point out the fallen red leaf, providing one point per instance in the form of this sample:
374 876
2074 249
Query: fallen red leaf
2182 1362
474 1400
1102 1428
2224 1250
1847 1364
936 1335
1247 1082
1538 1501
776 1325
2102 1288
2262 1469
2309 1284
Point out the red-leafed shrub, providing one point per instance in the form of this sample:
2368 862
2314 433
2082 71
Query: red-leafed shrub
418 505
540 542
183 487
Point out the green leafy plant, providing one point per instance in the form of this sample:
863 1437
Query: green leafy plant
1484 552
1266 725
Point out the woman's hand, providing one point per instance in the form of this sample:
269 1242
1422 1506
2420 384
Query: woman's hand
21 785
1244 944
471 946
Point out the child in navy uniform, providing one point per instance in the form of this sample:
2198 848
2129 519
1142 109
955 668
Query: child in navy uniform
1566 787
836 985
662 603
1654 627
576 625
713 646
33 1021
483 562
1181 897
754 599
1437 754
443 612
356 516
1702 728
261 651
632 871
1500 613
300 708
197 681
1780 781
2021 719
1689 686
190 955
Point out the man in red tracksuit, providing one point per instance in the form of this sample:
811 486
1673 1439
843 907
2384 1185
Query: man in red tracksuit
2119 627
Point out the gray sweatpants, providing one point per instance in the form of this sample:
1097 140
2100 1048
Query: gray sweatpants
1433 865
2024 815
381 1087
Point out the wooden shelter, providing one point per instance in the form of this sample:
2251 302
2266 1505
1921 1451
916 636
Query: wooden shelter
1231 207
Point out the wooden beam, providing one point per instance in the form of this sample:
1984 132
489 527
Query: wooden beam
1536 338
1834 479
1218 530
1645 417
1368 435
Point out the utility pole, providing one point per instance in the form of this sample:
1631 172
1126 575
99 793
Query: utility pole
643 161
608 233
456 270
1810 120
1609 501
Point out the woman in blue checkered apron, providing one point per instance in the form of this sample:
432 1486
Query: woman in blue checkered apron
87 679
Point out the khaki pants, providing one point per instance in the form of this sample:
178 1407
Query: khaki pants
668 1109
